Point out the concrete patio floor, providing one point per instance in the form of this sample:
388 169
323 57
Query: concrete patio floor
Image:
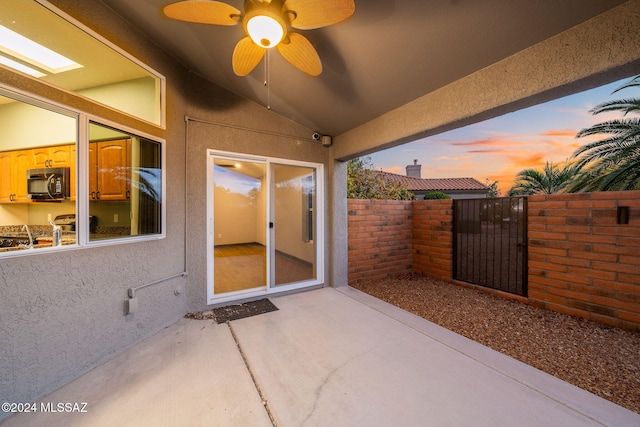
327 357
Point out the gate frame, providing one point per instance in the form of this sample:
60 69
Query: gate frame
524 274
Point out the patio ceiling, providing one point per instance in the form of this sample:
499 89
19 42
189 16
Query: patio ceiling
386 55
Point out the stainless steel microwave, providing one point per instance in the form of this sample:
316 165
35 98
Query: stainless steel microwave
48 184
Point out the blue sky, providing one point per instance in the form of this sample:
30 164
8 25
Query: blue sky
499 148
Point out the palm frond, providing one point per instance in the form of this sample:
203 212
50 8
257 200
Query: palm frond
626 106
631 83
615 127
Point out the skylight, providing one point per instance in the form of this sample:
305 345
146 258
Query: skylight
20 67
26 50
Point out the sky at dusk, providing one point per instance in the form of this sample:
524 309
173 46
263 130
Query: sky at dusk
499 148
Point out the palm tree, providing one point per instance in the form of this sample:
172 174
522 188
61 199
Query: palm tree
552 179
614 162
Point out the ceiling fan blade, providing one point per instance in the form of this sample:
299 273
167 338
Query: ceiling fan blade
310 14
300 53
246 56
203 12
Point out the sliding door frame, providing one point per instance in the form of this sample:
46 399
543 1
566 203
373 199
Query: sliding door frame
319 211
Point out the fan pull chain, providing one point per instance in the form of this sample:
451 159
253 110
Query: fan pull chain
267 79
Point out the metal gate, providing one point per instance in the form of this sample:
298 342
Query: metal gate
490 243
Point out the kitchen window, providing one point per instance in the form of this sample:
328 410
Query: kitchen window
38 168
125 184
62 188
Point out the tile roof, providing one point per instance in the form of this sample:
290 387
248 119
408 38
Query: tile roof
435 184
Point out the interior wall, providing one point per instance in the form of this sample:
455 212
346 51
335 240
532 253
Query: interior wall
289 214
261 219
235 220
25 126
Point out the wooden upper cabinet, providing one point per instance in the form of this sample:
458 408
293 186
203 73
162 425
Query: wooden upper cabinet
21 161
53 157
110 170
6 177
13 175
14 166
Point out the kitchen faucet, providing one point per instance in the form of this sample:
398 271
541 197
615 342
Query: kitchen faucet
26 227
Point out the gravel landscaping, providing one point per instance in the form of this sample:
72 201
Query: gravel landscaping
593 356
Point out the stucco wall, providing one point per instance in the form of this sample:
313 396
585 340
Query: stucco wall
598 51
218 120
63 313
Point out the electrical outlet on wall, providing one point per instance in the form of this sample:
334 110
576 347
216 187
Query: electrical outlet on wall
48 217
219 235
115 217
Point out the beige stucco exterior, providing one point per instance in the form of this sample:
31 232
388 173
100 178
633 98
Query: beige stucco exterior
596 52
62 313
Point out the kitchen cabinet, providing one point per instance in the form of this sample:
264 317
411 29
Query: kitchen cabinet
110 170
58 156
6 177
53 157
13 175
14 166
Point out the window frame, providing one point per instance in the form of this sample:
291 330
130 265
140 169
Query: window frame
83 186
162 84
82 176
319 220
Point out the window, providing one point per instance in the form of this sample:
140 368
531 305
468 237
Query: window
49 46
67 180
46 192
37 144
125 184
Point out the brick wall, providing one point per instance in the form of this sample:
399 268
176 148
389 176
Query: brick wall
581 262
380 238
432 242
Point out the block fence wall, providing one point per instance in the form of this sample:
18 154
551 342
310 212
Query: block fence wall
581 261
391 237
380 238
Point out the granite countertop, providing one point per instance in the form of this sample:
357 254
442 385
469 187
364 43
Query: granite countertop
44 235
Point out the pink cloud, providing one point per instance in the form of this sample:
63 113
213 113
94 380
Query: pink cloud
562 133
487 142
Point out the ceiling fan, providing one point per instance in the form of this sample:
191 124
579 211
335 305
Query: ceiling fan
268 24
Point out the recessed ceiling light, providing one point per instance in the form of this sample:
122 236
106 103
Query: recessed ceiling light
20 67
24 49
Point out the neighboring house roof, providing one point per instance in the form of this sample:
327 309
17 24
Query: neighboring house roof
435 184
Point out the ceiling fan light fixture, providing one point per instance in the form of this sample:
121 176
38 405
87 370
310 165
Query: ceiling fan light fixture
265 31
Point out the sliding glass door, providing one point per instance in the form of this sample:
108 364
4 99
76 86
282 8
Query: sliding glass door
294 249
239 216
264 226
